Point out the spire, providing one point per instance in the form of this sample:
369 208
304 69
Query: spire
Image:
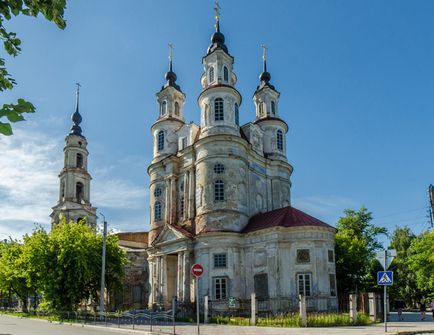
76 117
170 76
265 76
217 39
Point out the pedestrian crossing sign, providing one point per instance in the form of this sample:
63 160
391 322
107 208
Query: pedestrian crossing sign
385 277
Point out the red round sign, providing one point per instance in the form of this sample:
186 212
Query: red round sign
197 270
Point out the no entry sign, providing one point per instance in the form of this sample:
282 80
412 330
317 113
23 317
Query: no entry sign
197 270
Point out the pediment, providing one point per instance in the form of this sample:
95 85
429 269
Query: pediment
169 234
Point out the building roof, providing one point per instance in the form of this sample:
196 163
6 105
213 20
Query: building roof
282 217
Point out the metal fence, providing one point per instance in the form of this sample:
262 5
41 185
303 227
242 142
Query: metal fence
154 321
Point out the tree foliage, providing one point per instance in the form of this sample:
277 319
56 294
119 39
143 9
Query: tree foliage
421 262
64 265
52 10
404 286
356 243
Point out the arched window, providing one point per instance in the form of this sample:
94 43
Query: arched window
261 109
225 74
219 190
211 74
164 107
63 190
79 191
273 108
177 108
237 115
157 192
157 211
79 160
181 207
218 109
279 140
219 168
160 140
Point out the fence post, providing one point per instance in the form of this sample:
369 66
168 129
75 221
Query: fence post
253 308
151 321
205 310
372 306
134 320
105 317
353 308
302 306
173 320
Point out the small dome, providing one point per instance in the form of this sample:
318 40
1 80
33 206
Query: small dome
265 77
217 41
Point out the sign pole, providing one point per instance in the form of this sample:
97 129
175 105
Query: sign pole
197 305
385 296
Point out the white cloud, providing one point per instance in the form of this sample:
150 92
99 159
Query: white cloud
29 184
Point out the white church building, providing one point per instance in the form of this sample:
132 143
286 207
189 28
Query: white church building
220 195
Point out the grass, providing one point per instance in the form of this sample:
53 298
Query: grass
294 321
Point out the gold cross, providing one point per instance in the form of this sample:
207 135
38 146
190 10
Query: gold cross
264 56
216 9
78 87
170 51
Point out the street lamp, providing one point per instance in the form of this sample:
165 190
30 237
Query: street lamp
101 297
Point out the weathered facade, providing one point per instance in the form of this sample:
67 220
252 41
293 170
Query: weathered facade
136 289
221 196
74 191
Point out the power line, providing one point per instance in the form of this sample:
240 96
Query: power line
399 213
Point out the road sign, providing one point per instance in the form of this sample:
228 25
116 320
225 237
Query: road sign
231 302
386 261
197 270
385 277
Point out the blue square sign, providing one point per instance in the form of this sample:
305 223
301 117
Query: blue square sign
385 277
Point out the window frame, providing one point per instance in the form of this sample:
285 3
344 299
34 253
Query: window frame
219 109
160 140
176 108
219 168
331 253
303 276
279 140
237 115
217 285
79 160
211 74
273 107
157 192
225 74
163 108
332 280
220 260
219 190
158 206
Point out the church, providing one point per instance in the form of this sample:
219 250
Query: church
220 195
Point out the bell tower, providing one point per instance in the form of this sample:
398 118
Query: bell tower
74 191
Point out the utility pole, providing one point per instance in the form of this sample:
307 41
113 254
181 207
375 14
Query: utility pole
101 296
431 203
385 294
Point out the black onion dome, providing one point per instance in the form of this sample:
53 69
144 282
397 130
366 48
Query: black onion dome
265 77
76 119
171 77
217 41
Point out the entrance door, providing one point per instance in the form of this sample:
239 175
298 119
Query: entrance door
172 274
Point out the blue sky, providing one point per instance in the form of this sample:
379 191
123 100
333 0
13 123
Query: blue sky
356 83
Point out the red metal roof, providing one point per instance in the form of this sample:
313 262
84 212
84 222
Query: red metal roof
282 217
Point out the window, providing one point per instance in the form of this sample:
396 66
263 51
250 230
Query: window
261 109
181 207
220 260
220 285
332 280
183 143
79 191
79 161
157 211
177 108
304 284
137 294
160 141
261 286
331 256
157 192
225 74
219 168
63 189
279 140
211 74
181 186
273 108
303 256
219 191
218 109
237 115
164 108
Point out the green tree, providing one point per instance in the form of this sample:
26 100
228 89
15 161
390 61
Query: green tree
67 262
421 262
404 286
14 272
356 243
52 10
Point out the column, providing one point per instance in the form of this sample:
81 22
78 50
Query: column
186 215
163 279
167 202
151 280
180 275
173 200
186 276
191 194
